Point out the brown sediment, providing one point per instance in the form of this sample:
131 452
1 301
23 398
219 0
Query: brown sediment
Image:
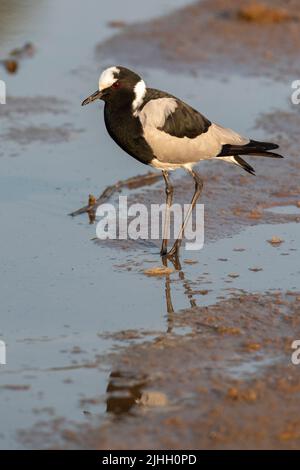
35 105
27 135
240 35
229 383
159 271
15 128
11 65
261 13
16 387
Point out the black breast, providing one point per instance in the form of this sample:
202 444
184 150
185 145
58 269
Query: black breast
126 130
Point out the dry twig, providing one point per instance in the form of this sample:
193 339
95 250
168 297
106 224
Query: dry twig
130 183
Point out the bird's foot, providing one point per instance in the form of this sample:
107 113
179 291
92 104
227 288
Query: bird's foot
173 256
174 252
175 261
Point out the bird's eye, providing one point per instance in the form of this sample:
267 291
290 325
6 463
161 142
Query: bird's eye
116 84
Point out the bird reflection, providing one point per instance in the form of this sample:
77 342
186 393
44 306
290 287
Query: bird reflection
123 392
126 389
187 290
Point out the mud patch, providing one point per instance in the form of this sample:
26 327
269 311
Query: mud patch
22 106
205 33
46 134
260 13
224 397
28 110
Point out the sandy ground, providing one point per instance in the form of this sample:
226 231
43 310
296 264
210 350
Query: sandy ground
229 382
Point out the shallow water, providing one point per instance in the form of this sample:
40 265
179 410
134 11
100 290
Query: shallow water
245 262
60 291
286 210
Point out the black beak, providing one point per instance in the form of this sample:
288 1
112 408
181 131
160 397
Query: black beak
95 96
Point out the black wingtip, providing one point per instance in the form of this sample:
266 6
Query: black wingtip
252 172
272 155
262 145
243 164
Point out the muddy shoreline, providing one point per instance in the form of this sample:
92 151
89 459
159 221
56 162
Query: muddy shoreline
198 390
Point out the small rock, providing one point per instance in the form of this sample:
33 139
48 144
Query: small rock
158 271
190 261
288 435
203 291
153 399
252 346
116 24
233 393
275 241
256 12
250 395
228 330
11 65
255 215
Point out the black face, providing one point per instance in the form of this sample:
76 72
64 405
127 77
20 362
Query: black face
121 92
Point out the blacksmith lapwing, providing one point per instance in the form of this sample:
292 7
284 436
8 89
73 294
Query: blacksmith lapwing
160 130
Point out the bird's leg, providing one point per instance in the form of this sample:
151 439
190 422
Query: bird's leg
169 198
188 290
198 189
170 308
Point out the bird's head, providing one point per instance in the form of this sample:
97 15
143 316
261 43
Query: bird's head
119 85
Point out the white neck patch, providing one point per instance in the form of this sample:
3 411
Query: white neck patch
139 91
107 78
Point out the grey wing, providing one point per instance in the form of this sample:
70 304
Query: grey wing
178 134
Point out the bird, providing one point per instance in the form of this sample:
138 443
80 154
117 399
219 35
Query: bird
160 130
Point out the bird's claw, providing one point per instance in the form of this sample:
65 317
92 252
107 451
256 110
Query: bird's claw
174 252
172 255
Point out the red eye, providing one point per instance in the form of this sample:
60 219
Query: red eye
116 85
